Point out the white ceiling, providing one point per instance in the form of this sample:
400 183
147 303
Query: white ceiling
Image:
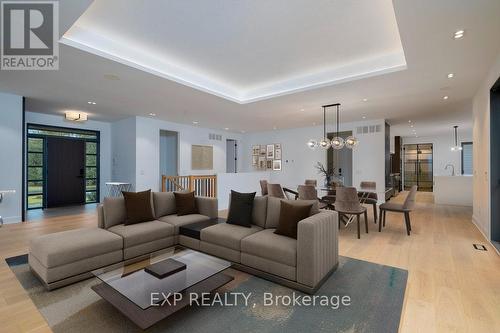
245 50
425 28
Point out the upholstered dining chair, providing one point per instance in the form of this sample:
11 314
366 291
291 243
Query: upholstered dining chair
370 198
309 192
312 182
405 208
263 186
347 203
275 190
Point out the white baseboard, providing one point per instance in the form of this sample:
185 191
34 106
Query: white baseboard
477 225
11 219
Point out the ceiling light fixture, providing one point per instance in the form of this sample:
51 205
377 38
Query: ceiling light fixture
456 147
226 128
195 122
365 99
409 121
445 97
459 34
152 114
75 116
364 117
91 102
451 75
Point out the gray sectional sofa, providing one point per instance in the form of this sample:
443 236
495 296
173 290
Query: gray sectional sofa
66 257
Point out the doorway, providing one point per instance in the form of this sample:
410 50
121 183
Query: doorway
417 166
231 156
340 160
495 164
168 153
62 166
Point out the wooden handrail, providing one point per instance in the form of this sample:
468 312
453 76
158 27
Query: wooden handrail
202 185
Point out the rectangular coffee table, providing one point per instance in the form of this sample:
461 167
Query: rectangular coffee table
129 288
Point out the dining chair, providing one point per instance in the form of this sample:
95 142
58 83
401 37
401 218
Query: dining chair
263 186
309 192
405 208
312 182
275 190
347 203
370 198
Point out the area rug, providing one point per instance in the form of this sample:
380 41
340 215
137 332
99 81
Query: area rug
376 295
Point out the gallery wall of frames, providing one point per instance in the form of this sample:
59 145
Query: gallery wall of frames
267 157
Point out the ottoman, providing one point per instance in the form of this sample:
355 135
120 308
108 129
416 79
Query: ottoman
66 257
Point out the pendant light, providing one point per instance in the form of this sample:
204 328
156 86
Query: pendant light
338 141
324 143
456 147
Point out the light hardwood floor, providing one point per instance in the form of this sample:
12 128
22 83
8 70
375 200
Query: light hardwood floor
451 286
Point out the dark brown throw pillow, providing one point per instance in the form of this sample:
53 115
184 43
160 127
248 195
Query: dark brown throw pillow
240 209
185 203
138 207
290 216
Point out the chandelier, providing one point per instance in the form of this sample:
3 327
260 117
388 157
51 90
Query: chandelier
337 142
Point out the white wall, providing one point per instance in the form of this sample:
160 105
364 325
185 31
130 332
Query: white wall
244 182
104 129
481 135
11 143
442 154
145 152
299 161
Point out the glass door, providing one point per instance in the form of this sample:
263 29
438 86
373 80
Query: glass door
418 166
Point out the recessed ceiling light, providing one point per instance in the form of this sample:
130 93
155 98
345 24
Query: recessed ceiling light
445 97
411 126
451 75
226 128
302 109
365 99
91 102
195 122
409 121
364 117
459 34
152 114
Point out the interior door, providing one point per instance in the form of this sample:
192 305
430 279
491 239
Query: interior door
65 172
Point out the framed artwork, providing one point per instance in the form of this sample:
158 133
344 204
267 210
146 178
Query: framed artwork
269 164
277 154
255 150
270 152
263 150
277 146
202 157
262 162
255 160
277 165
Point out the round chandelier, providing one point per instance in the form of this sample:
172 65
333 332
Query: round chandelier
337 142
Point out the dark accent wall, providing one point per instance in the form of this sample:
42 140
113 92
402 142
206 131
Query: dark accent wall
495 160
387 155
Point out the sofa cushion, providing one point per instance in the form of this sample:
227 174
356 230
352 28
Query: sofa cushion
177 221
185 203
135 234
274 208
240 209
266 244
164 203
138 206
65 247
227 235
290 216
259 212
114 211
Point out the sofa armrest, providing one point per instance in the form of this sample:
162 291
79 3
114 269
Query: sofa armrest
100 216
317 247
207 206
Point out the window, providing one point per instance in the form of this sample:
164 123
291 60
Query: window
36 166
467 158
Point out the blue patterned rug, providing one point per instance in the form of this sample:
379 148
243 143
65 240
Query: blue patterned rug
376 295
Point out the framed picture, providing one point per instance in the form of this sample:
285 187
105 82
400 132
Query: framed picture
277 146
262 162
270 152
277 153
255 150
277 165
263 150
255 160
269 164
